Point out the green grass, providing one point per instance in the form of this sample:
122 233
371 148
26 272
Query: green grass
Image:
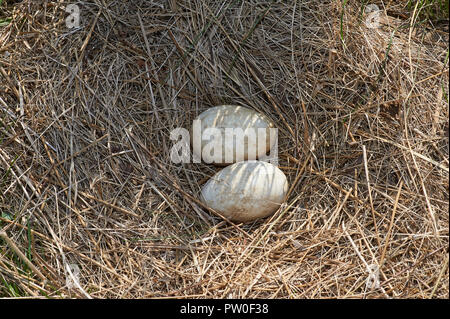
4 21
9 289
430 10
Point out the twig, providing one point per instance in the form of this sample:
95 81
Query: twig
370 194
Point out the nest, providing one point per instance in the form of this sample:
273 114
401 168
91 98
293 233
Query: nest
92 206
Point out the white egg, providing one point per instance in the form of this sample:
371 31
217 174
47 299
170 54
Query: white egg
246 191
230 133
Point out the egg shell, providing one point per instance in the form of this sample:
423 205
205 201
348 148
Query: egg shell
246 191
232 116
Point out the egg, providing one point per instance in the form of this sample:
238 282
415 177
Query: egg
246 191
226 134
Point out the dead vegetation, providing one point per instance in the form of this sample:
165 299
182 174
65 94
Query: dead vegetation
85 171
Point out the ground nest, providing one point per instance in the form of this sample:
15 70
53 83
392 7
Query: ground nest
92 206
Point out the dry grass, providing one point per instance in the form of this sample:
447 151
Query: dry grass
86 176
